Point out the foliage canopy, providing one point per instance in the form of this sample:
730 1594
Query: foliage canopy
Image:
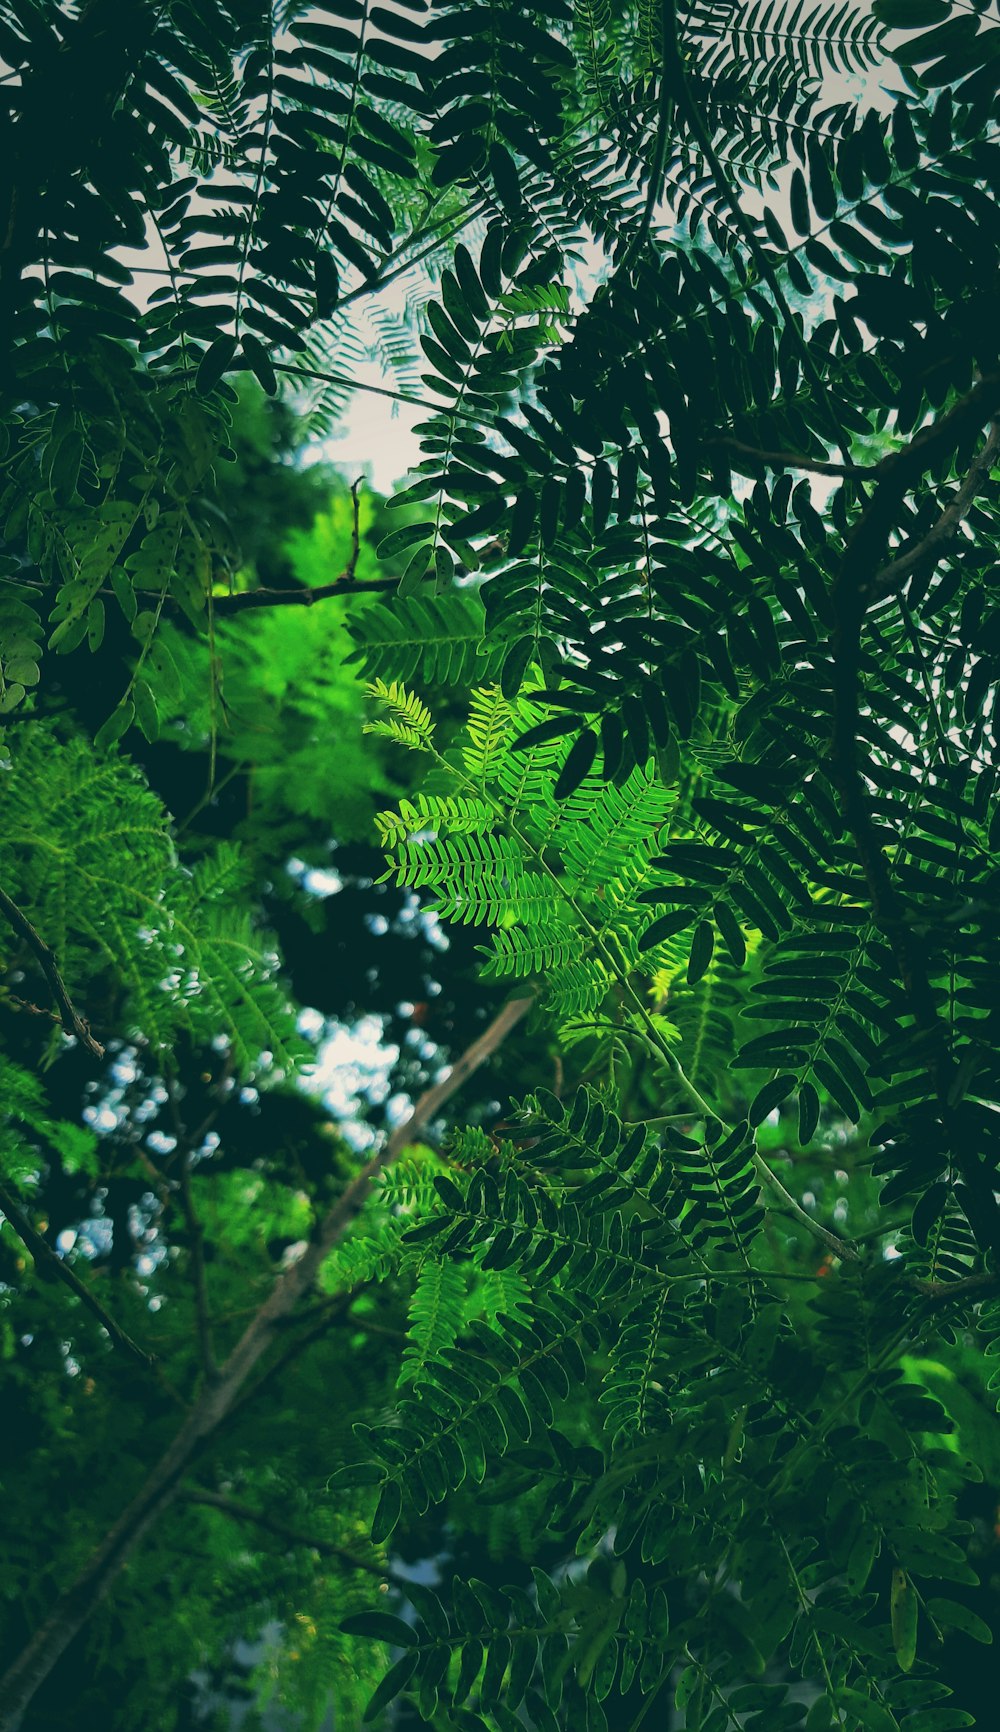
668 684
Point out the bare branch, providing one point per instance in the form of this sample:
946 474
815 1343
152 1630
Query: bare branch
53 1267
966 1287
69 1016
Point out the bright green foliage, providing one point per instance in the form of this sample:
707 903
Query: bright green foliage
88 849
677 685
559 880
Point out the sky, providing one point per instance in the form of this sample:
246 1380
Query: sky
376 435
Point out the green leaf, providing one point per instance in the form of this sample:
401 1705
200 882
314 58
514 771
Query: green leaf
578 764
958 1617
769 1097
382 1627
702 946
821 184
117 724
862 1556
939 1720
22 671
928 1210
216 361
395 1680
872 1716
666 927
799 201
505 178
387 1513
124 592
147 716
449 1192
515 666
903 1605
259 361
808 1113
95 625
730 932
355 1473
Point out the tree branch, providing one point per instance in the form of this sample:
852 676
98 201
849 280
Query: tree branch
162 1486
242 600
323 376
53 1267
323 1316
839 1247
966 1287
69 1016
242 1512
926 552
787 460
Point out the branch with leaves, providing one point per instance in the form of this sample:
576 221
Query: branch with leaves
73 1023
923 555
51 1267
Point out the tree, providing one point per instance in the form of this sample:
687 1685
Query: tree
674 691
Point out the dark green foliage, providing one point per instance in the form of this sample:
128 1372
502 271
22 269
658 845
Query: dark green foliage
687 616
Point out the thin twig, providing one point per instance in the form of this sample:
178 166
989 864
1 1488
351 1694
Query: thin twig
51 1266
69 1016
352 563
242 1512
321 376
840 1247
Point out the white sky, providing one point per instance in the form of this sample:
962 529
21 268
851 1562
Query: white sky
376 434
